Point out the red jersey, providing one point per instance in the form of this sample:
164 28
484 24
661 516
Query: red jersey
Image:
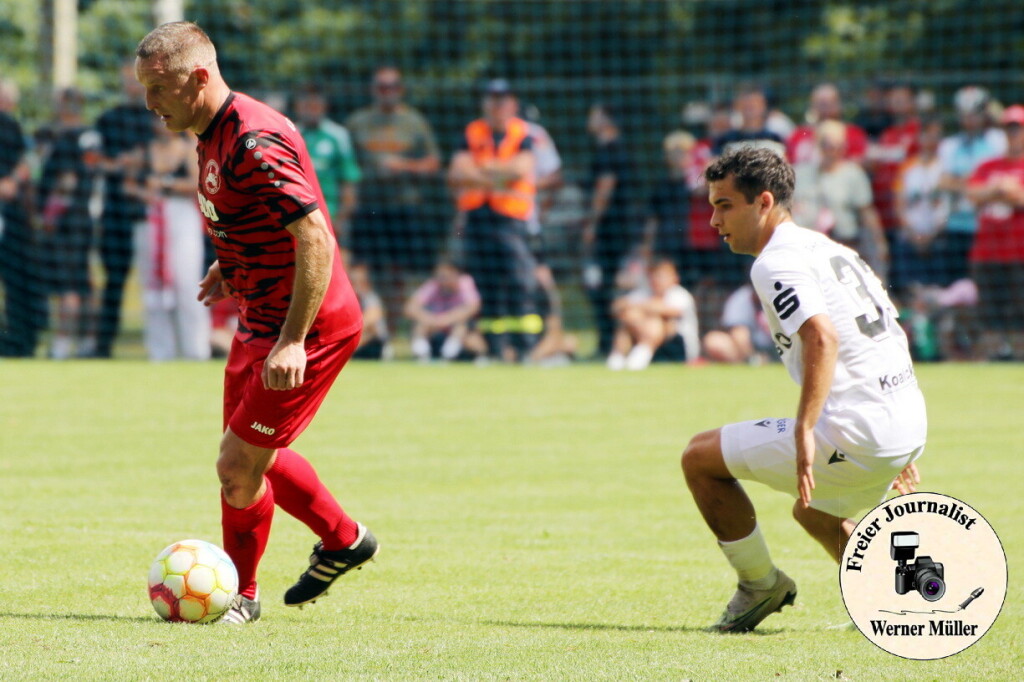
802 145
897 144
1000 237
256 177
702 236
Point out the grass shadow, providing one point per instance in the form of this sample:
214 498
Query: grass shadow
85 617
620 628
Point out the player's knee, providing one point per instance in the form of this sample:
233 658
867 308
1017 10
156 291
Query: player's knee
800 514
702 457
236 468
693 456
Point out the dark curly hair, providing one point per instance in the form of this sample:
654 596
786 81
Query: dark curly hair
755 170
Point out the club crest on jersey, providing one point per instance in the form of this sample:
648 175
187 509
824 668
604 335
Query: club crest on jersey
211 177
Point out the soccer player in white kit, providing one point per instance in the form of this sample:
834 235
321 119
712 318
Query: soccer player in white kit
860 421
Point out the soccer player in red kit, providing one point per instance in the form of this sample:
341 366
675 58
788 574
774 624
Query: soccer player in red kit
299 319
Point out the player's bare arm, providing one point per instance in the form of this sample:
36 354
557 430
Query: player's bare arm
426 165
465 174
820 349
518 167
1002 190
657 306
285 367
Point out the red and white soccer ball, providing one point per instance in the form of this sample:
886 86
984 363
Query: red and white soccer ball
192 581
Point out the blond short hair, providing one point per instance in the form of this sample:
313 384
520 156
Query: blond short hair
180 46
832 131
679 140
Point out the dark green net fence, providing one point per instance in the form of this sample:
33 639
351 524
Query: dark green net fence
653 68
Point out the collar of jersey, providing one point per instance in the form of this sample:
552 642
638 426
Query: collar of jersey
208 133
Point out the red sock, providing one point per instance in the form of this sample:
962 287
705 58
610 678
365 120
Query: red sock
298 491
245 537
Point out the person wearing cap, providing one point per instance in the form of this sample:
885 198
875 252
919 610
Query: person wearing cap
997 255
493 177
960 154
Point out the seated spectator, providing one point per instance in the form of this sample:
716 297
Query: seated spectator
834 196
943 322
744 336
918 249
655 322
442 311
373 344
555 347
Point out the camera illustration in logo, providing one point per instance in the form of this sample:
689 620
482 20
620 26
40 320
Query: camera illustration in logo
924 575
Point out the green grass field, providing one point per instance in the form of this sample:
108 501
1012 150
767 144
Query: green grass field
534 525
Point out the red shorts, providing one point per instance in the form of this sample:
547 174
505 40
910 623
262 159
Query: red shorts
273 419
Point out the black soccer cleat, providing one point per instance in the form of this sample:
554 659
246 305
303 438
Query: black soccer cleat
325 567
242 610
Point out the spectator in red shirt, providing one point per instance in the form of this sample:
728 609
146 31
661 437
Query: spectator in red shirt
997 257
825 105
897 143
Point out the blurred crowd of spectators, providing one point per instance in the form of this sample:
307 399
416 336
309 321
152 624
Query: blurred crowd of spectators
930 194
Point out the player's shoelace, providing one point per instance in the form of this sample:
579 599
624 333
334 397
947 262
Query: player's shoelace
322 568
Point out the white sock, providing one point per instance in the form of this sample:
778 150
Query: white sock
749 556
640 357
616 361
451 347
61 347
421 348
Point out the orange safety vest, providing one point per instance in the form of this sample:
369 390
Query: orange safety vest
515 200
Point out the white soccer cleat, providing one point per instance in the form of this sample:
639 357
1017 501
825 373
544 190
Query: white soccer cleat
749 607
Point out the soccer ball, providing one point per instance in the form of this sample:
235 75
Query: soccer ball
192 581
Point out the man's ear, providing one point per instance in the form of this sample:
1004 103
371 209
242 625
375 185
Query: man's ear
202 75
767 200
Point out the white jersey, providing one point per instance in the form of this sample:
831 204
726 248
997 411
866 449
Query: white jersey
874 406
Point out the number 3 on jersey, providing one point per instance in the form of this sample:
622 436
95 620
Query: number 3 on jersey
873 323
207 208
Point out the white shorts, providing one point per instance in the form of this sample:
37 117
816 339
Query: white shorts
844 484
